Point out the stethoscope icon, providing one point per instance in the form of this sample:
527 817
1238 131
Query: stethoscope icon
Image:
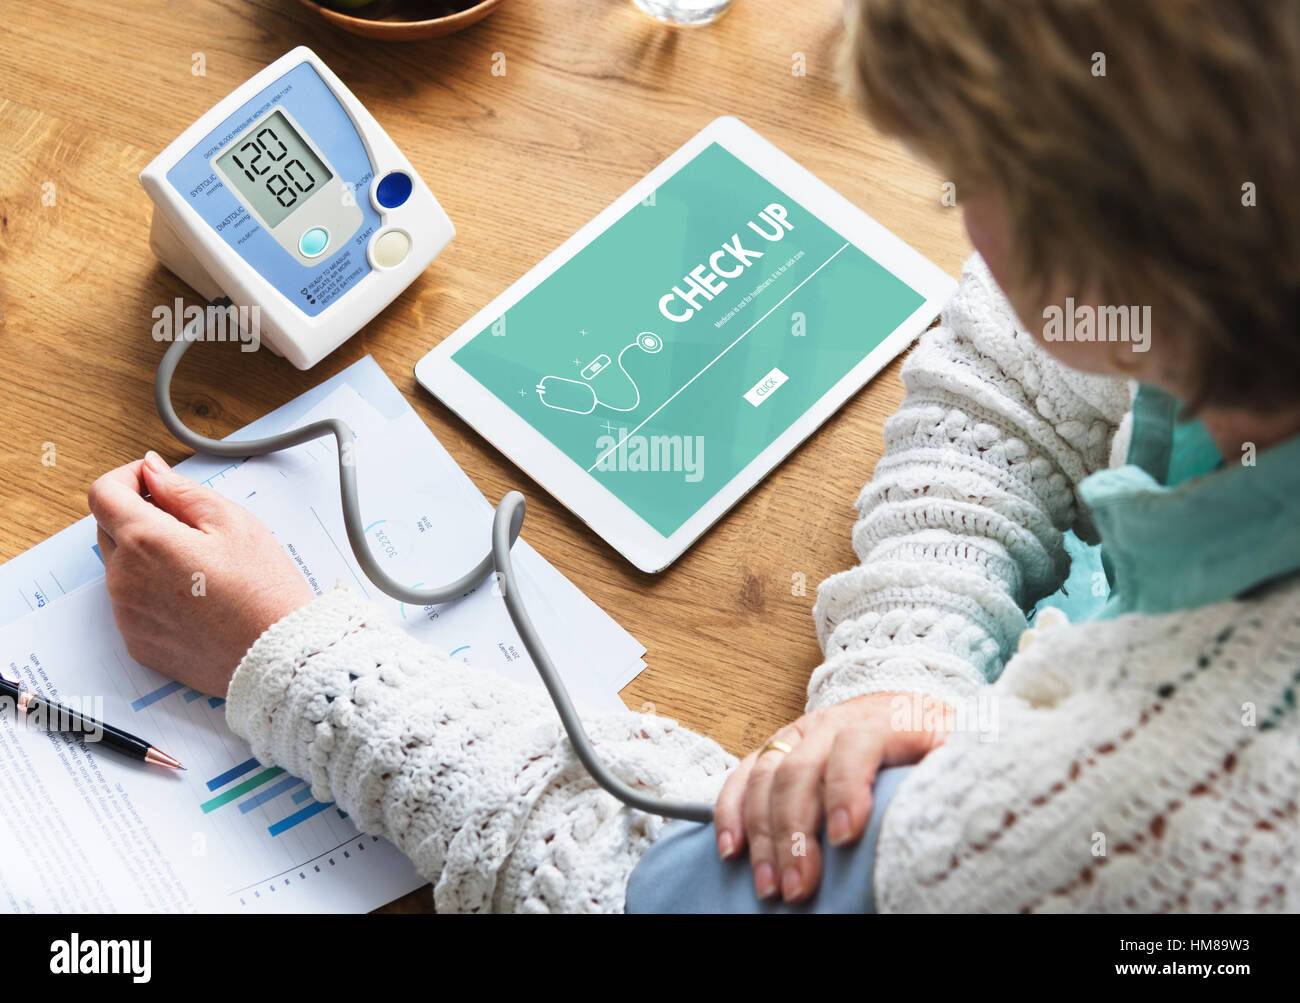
579 396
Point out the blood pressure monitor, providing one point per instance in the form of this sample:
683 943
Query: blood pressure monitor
288 196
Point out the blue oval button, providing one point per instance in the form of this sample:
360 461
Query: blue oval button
393 190
313 242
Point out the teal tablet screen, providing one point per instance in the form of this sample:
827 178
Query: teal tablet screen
673 348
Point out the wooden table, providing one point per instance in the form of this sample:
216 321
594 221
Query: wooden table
592 96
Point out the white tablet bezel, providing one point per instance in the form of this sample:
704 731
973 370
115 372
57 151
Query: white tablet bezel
573 486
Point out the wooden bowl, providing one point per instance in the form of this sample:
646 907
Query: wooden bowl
401 22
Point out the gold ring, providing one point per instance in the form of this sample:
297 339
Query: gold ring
778 745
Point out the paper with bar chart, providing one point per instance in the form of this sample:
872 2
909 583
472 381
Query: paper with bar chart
92 831
95 832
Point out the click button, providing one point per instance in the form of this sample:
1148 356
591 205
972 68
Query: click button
765 387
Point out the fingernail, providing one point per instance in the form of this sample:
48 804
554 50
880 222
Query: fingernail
726 845
791 884
156 463
764 880
838 830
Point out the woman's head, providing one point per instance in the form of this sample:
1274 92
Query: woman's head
1133 153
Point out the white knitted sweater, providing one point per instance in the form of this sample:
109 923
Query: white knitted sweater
1120 775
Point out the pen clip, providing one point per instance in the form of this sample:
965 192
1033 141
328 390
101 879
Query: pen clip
25 696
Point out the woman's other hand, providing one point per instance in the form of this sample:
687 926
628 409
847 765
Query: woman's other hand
194 578
776 800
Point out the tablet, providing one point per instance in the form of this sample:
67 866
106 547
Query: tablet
659 363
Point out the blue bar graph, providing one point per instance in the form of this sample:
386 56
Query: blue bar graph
232 773
215 701
192 695
274 791
152 698
303 795
285 824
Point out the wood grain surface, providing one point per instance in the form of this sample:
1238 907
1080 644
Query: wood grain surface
593 95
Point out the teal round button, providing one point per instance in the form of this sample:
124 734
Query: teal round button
313 242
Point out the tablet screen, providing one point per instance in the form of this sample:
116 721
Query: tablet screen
688 336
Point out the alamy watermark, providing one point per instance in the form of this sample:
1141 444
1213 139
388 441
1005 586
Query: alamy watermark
219 323
72 715
683 454
1128 324
917 712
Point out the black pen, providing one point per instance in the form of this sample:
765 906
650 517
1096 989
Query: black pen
69 720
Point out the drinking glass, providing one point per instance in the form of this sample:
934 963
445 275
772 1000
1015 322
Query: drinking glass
684 12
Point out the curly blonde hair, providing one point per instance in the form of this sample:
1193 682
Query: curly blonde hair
1129 140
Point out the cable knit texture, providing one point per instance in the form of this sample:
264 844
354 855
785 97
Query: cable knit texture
961 527
469 774
1142 764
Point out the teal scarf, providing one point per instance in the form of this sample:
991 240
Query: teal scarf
1180 525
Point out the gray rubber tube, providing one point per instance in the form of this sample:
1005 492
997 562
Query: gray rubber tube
506 524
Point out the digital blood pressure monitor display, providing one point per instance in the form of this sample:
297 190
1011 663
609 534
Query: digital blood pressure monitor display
289 196
273 169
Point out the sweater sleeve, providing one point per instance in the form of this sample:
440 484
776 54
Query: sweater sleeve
469 774
961 527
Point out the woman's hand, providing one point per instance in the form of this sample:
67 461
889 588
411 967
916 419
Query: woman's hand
194 578
776 800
